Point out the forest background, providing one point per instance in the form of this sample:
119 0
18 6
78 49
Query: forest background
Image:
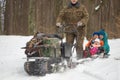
25 17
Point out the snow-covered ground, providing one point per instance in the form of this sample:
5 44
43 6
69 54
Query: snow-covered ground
12 63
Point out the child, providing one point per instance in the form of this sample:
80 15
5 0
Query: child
92 43
94 36
94 47
103 36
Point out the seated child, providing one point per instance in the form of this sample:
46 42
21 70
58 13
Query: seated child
104 37
94 47
94 36
92 44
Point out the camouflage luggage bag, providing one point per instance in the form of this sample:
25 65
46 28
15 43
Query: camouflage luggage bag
51 47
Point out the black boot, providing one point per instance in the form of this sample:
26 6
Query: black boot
79 55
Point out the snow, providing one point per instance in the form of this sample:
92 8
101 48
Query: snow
12 63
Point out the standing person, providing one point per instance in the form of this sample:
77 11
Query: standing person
75 16
103 36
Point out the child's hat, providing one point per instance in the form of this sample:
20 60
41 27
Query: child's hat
95 33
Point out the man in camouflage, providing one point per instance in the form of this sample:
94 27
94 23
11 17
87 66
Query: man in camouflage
75 17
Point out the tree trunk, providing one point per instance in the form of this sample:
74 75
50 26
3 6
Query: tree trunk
0 18
16 17
31 19
46 13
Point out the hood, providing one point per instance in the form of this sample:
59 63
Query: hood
105 36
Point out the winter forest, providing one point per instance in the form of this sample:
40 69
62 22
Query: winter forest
31 48
25 17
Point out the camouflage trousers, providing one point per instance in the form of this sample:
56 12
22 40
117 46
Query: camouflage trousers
79 39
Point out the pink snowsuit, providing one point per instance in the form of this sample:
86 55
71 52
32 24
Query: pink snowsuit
93 50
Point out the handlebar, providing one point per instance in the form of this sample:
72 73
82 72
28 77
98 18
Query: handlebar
64 27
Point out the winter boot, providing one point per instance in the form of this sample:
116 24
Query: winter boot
101 55
106 55
79 54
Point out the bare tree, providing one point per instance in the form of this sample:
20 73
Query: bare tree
16 17
2 9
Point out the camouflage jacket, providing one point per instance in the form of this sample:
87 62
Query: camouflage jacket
73 14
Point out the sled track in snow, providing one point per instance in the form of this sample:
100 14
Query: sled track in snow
93 75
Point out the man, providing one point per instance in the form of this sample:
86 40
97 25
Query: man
75 16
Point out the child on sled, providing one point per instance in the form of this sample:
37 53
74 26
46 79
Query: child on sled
93 46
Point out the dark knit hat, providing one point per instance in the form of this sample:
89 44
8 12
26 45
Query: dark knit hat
95 33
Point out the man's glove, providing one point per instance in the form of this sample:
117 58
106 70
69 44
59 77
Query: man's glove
59 28
58 24
79 24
